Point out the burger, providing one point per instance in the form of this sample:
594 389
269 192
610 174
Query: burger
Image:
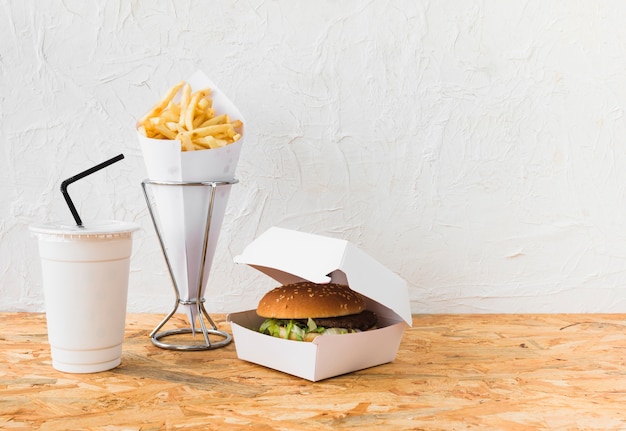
303 311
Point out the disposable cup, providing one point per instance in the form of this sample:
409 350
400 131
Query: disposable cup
85 280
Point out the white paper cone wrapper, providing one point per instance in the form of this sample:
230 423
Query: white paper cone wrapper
182 211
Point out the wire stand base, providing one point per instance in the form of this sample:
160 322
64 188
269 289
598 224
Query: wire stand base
157 337
209 329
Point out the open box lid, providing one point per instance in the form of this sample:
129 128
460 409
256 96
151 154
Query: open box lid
290 256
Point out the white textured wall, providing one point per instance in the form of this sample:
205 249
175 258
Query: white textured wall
477 148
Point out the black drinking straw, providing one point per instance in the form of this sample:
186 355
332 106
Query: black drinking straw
77 177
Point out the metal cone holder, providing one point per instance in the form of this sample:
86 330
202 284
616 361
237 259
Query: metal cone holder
223 338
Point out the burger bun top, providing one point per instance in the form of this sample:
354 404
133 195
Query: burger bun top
306 299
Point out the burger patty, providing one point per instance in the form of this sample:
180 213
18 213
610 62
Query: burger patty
362 321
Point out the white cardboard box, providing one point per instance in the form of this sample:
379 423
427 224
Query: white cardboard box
290 256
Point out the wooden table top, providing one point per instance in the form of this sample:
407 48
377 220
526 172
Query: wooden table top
452 372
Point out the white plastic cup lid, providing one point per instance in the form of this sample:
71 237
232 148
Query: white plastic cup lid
98 227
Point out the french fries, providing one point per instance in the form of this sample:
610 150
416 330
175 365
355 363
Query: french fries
191 120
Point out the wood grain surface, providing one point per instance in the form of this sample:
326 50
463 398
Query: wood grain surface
452 372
